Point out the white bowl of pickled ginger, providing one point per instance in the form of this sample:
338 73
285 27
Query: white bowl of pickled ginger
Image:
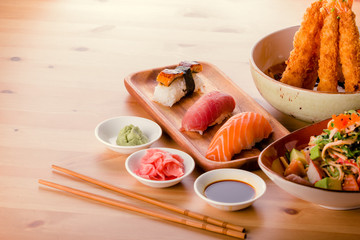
159 167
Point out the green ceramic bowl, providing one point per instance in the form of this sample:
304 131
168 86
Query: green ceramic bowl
306 105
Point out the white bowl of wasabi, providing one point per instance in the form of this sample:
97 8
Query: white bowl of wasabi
134 132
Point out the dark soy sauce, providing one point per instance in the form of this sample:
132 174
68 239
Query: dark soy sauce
229 191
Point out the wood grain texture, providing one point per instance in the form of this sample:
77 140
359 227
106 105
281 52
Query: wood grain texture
62 66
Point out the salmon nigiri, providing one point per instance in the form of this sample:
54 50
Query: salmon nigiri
240 132
209 110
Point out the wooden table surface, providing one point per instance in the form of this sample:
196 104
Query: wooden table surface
62 66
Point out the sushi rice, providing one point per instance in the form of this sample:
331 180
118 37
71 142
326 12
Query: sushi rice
168 96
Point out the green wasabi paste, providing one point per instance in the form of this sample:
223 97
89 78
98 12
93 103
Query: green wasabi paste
131 136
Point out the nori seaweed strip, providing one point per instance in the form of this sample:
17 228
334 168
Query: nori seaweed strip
189 80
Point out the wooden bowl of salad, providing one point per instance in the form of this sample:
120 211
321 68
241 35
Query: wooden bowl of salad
319 163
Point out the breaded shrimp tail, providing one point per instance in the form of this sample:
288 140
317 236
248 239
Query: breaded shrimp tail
328 62
349 49
299 63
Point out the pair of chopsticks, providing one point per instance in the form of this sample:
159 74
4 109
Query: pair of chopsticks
206 222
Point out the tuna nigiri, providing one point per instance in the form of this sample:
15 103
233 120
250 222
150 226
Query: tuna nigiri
209 110
240 132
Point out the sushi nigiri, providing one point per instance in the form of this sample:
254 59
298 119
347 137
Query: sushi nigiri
210 109
173 84
240 132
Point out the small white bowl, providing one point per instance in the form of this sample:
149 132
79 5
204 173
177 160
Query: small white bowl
216 175
107 131
133 162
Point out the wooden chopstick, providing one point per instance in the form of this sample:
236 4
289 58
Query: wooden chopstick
128 206
156 202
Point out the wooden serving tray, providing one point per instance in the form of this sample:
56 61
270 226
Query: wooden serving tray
141 85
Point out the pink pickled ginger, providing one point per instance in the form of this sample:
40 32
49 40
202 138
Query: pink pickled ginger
160 165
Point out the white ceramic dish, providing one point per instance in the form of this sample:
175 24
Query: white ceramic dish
336 200
306 105
207 178
133 162
107 131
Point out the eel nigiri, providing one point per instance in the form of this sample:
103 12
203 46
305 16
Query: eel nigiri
210 109
173 84
240 132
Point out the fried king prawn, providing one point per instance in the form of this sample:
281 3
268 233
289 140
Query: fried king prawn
300 62
326 47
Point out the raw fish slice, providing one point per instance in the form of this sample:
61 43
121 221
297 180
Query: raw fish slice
209 110
240 132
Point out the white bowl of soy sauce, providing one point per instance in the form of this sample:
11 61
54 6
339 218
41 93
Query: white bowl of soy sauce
229 189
